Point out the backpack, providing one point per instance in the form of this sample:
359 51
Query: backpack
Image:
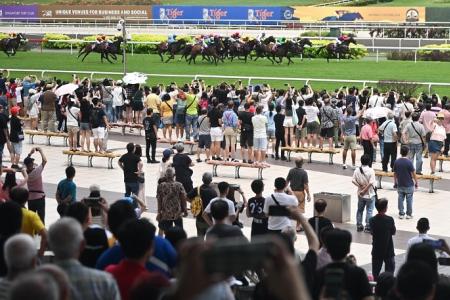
197 204
95 122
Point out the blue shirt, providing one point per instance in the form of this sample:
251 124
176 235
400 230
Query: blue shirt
163 260
270 121
67 187
26 87
403 168
349 125
230 119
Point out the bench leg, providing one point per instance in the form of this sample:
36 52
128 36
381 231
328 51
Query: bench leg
48 140
123 130
31 139
214 170
110 163
310 157
236 172
69 160
431 189
330 158
260 170
440 166
379 182
90 161
65 141
289 155
192 150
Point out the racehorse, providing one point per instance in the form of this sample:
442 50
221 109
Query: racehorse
299 47
239 50
210 52
10 45
172 49
287 50
105 49
338 50
264 48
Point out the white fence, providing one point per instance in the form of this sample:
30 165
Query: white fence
249 79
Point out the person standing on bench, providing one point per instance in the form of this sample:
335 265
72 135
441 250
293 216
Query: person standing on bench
151 130
48 109
405 179
99 124
389 131
298 180
348 125
367 139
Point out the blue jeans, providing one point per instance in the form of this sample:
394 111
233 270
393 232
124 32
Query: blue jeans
381 142
368 204
109 109
117 113
402 193
416 150
191 121
131 188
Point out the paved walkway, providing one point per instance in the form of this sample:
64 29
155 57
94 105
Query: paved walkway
323 177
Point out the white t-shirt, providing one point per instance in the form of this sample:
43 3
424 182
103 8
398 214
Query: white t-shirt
19 94
376 101
231 211
117 93
279 223
311 113
259 126
73 114
364 179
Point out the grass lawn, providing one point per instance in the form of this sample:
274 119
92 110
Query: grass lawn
319 68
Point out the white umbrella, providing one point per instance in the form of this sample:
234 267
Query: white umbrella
135 78
376 112
66 89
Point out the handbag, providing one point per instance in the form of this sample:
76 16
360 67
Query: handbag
197 204
421 138
294 115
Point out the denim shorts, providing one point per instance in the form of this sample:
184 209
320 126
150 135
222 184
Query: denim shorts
17 148
260 144
85 126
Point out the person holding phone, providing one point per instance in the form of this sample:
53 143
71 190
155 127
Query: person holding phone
423 225
279 201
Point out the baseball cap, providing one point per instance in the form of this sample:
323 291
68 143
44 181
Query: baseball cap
15 110
28 160
167 153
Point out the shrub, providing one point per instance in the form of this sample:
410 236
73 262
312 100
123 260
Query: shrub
55 45
424 53
357 51
402 87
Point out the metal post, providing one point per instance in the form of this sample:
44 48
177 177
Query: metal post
377 55
124 53
415 56
132 49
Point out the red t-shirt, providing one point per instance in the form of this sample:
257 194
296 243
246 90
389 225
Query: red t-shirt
127 272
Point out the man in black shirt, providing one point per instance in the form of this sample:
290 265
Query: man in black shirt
354 279
255 209
215 120
150 136
181 162
300 131
278 119
131 164
207 192
382 228
319 222
246 140
4 134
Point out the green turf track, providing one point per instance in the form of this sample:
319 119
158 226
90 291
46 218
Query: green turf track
318 68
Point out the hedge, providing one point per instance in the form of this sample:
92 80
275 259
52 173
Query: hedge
357 51
423 54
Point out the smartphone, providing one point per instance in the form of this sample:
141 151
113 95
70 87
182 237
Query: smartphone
278 211
236 255
436 244
444 261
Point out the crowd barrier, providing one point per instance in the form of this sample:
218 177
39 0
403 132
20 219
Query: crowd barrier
249 79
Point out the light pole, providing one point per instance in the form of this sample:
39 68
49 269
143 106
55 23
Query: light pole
121 27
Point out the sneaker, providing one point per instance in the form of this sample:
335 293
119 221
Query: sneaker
149 161
353 167
284 159
219 158
214 158
273 156
401 217
409 217
419 173
250 161
244 161
367 229
344 166
154 161
199 160
277 158
359 228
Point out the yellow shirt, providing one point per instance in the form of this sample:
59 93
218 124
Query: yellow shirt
167 108
153 101
31 223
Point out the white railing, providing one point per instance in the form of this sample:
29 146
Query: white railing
339 2
249 79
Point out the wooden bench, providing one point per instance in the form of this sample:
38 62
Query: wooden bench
310 151
237 166
47 134
109 155
191 144
441 160
124 126
432 178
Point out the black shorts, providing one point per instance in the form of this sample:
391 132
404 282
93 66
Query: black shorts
204 141
327 132
164 225
259 228
137 105
246 139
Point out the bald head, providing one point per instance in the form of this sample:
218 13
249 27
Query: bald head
20 253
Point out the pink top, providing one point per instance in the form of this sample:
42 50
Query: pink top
438 133
426 118
35 186
366 132
4 193
446 122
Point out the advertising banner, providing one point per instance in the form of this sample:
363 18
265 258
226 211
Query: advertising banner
18 11
95 11
217 14
363 14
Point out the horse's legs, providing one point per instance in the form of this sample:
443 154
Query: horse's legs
107 58
160 55
86 54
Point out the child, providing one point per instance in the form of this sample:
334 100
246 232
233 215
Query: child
255 209
16 136
165 162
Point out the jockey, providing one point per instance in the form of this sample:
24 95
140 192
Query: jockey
278 42
206 41
341 39
260 37
171 38
98 41
235 37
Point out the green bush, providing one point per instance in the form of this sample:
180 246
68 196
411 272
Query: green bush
315 33
55 45
319 50
424 54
